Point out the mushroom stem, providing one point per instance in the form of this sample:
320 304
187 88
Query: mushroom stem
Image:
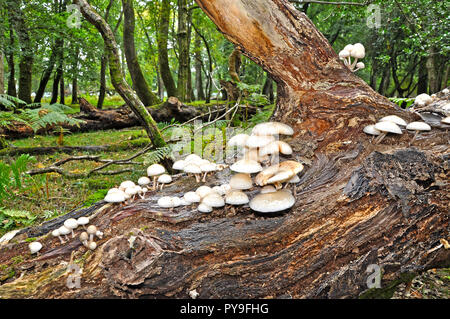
73 234
154 182
380 138
91 237
197 177
162 186
204 177
414 137
60 238
353 64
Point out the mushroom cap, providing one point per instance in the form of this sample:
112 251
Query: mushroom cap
71 223
63 230
192 158
294 179
360 65
144 180
267 189
131 191
423 99
259 140
418 126
35 247
272 202
246 166
179 165
358 51
165 179
276 147
124 185
83 220
91 229
204 208
445 91
204 190
155 169
208 167
344 54
241 181
114 190
272 128
278 173
388 127
84 236
192 197
238 140
92 245
349 48
236 197
55 232
115 197
446 120
166 202
213 200
176 201
192 169
370 129
394 118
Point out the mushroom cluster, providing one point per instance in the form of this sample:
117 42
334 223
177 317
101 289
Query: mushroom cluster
71 224
197 166
357 51
393 124
443 110
260 151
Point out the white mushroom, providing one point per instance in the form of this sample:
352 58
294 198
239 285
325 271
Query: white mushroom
63 230
91 230
371 130
203 208
126 184
193 169
386 127
179 165
207 168
204 190
394 118
272 202
236 197
164 179
241 181
144 181
92 245
246 166
55 233
154 171
84 238
71 224
417 126
213 200
192 197
83 221
35 247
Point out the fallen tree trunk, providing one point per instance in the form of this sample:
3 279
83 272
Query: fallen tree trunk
95 119
357 203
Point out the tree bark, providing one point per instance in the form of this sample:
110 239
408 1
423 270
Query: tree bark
46 76
198 68
11 66
117 77
139 83
2 73
183 49
357 203
163 56
26 49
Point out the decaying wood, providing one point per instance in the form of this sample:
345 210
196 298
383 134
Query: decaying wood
357 203
122 117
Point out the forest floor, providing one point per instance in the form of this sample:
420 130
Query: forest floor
432 284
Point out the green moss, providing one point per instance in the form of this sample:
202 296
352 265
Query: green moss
388 291
30 239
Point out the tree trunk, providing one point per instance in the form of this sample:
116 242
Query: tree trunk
58 73
62 95
46 76
117 77
102 91
422 81
198 68
163 57
11 66
358 204
267 89
433 81
139 83
75 75
2 73
26 49
183 49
